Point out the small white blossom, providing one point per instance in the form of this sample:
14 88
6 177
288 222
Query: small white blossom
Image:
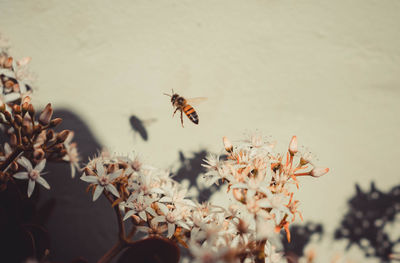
32 174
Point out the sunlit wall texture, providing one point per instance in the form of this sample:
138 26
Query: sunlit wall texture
326 71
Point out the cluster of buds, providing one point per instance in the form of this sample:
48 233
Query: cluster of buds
13 77
31 143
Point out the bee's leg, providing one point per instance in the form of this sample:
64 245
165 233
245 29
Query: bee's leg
173 114
182 118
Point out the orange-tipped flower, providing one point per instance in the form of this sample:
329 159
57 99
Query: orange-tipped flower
319 171
293 145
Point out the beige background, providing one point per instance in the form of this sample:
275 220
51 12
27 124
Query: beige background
326 71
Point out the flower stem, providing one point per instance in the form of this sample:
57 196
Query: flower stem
112 252
11 158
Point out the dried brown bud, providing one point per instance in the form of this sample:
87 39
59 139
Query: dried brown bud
25 107
7 115
88 171
227 144
112 168
49 135
55 122
58 147
18 120
13 140
26 129
293 146
31 111
46 115
26 99
37 129
16 109
2 60
63 135
38 154
8 62
25 141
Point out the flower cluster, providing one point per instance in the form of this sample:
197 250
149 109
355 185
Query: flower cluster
30 140
258 179
154 202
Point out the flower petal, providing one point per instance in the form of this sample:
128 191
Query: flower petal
129 214
111 188
97 192
31 187
40 166
43 182
115 175
90 179
171 230
99 168
25 163
21 175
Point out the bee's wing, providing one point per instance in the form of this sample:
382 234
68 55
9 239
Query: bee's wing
195 101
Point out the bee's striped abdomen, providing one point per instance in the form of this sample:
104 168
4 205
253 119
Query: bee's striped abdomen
191 114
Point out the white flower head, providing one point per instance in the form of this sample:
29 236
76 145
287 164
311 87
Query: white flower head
102 180
32 174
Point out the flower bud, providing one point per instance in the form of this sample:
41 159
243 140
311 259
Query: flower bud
8 63
318 171
46 115
49 135
7 115
26 99
25 107
63 135
18 120
2 107
38 154
24 61
16 109
293 146
227 144
31 110
237 193
55 122
13 139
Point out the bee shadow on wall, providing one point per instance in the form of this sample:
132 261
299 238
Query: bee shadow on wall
191 168
139 126
370 215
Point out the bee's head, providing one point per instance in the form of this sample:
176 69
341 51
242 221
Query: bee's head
174 97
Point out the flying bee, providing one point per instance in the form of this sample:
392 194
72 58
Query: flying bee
183 105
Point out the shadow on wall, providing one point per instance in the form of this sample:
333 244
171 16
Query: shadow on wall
191 168
139 126
364 224
301 236
77 226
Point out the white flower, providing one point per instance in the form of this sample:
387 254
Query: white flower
72 155
102 180
172 218
139 206
33 174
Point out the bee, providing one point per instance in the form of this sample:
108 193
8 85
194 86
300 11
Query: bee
182 104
